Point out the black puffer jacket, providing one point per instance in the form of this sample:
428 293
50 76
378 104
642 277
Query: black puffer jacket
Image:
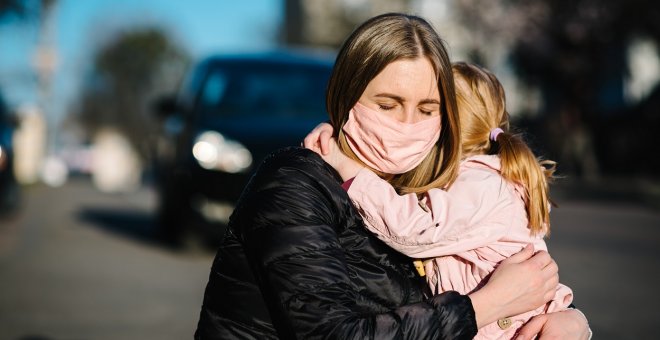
297 263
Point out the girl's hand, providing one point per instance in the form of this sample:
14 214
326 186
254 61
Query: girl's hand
521 283
345 166
318 140
569 324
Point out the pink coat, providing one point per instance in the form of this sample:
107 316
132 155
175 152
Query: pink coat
464 232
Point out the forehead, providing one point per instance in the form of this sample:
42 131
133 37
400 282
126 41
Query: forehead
411 79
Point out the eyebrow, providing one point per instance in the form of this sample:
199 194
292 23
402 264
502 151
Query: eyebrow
400 99
430 101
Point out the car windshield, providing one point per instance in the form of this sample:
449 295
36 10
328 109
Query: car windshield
235 90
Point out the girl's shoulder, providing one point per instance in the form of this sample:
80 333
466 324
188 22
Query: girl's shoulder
486 162
484 171
486 168
481 171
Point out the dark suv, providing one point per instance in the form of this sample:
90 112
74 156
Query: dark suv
231 112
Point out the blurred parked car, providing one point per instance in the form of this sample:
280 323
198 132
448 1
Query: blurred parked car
230 113
9 189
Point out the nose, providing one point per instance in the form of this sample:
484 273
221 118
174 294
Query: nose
407 115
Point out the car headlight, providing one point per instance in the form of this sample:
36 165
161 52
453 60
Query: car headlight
215 152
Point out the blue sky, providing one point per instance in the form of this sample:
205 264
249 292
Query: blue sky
81 26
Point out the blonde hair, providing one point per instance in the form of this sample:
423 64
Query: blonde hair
367 51
481 105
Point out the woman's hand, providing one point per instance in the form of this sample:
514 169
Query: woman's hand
569 324
320 141
521 283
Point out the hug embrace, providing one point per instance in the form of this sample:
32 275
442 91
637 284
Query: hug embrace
413 214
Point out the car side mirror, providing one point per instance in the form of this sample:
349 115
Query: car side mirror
165 106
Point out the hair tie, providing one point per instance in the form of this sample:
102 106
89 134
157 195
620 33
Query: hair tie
494 133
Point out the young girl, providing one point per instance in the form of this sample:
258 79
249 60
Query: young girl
496 206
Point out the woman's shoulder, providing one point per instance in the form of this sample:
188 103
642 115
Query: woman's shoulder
292 180
301 160
293 170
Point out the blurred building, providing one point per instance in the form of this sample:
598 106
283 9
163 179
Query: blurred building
116 166
29 144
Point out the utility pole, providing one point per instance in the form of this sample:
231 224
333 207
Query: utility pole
53 170
45 65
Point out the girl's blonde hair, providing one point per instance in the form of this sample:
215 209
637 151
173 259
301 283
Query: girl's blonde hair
481 105
367 51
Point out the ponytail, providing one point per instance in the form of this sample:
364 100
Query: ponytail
484 124
520 166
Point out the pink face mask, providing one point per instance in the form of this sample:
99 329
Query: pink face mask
386 144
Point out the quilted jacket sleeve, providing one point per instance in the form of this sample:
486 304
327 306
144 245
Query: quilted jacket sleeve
289 219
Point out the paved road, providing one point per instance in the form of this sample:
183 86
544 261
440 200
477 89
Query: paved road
77 264
607 244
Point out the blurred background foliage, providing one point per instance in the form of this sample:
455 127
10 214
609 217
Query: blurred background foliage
9 8
126 75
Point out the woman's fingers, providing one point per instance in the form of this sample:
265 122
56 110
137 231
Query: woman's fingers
525 280
550 274
565 325
541 259
522 255
530 329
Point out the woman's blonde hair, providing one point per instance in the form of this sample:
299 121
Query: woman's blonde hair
367 51
481 105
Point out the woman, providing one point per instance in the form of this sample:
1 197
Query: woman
459 234
297 261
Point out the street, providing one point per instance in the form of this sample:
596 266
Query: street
79 264
607 245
